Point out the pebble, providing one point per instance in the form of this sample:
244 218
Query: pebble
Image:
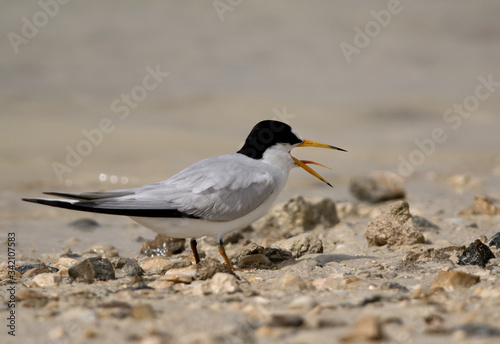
66 262
181 275
31 270
273 255
92 269
291 281
452 280
258 260
208 267
394 226
476 253
46 280
495 241
326 284
367 328
104 250
127 267
301 244
393 286
380 186
297 216
431 254
162 245
483 205
223 283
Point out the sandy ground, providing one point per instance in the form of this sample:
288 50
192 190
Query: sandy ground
255 61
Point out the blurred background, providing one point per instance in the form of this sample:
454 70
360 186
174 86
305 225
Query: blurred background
116 94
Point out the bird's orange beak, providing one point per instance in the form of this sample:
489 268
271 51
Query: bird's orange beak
303 163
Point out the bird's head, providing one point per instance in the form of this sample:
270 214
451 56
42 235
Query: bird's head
277 136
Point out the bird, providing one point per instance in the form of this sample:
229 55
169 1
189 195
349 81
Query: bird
213 196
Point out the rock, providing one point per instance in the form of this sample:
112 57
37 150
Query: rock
422 224
394 226
104 250
286 320
253 255
378 187
301 244
181 275
31 270
92 269
67 262
46 280
495 241
84 224
304 303
297 216
476 253
451 280
127 267
224 283
483 205
291 282
326 284
367 328
208 267
162 245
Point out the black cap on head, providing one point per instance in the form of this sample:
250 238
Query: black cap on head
266 134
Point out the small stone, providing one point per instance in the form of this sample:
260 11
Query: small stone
224 283
208 267
155 264
141 312
495 241
162 245
66 262
301 244
104 250
394 226
46 280
291 281
258 260
378 187
285 320
431 254
483 205
84 224
92 269
365 329
451 280
181 275
31 270
476 253
297 216
127 267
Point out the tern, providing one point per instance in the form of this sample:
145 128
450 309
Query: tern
214 196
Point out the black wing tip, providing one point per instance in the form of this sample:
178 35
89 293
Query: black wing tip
32 200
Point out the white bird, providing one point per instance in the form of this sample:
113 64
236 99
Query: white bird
211 197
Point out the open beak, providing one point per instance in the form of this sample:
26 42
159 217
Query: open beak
302 163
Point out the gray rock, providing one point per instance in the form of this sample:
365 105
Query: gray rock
378 187
93 269
253 255
495 240
297 216
127 267
301 244
394 226
476 253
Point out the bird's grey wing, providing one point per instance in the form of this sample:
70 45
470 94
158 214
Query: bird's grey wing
215 189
